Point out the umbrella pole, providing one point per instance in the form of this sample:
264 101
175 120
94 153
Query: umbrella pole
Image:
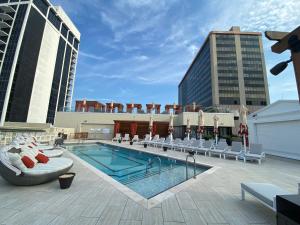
245 146
150 135
216 139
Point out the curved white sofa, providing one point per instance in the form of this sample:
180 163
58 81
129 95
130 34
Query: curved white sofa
41 173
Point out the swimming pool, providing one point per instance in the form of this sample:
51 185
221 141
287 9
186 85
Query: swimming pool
145 173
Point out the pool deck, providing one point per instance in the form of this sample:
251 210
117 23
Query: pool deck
211 200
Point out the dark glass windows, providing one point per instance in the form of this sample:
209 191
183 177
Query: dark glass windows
196 85
54 19
64 31
76 44
64 79
41 5
10 53
70 38
26 66
56 81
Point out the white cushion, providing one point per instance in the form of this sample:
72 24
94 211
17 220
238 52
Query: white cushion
53 165
52 153
15 160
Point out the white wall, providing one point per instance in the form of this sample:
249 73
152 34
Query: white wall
41 90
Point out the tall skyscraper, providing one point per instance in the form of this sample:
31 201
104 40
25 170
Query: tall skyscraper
229 70
38 56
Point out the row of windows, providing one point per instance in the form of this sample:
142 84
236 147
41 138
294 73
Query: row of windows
249 37
229 101
226 57
228 83
247 51
225 45
226 49
224 37
227 71
256 102
229 53
228 77
43 6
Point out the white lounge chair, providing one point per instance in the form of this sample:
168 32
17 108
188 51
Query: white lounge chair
264 192
126 138
135 138
218 149
234 151
255 153
146 139
117 137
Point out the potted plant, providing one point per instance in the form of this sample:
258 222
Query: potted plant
120 140
206 137
229 140
66 180
145 145
165 148
131 142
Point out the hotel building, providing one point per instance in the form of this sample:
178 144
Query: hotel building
229 70
38 56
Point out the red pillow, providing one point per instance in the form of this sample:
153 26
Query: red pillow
41 158
27 162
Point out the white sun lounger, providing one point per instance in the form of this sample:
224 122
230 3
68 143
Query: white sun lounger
117 137
218 149
135 138
235 151
255 153
264 192
126 138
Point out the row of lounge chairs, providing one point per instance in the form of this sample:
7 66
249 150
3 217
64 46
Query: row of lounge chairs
125 138
222 150
41 172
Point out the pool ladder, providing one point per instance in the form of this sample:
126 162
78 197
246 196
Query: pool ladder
150 163
186 166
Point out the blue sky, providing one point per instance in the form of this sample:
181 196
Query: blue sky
138 50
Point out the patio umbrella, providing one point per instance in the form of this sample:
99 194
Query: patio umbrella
216 126
201 123
188 128
171 128
243 126
150 126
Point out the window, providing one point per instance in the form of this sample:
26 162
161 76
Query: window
64 30
54 19
41 5
70 38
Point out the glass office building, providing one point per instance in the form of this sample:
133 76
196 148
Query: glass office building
229 70
38 56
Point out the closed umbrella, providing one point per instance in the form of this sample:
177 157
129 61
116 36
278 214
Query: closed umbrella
150 126
171 127
188 128
244 126
201 123
216 126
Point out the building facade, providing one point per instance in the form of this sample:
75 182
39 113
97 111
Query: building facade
229 70
38 56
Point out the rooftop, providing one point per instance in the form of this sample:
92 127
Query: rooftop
213 199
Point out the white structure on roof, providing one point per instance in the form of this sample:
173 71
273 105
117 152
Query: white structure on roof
277 128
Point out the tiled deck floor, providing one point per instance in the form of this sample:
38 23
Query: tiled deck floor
214 199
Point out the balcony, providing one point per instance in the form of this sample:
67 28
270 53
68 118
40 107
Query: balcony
5 16
4 25
3 33
7 8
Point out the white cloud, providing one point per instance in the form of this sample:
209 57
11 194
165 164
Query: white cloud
91 56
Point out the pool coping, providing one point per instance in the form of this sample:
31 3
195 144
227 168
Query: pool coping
154 201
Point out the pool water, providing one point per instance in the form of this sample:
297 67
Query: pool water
144 173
